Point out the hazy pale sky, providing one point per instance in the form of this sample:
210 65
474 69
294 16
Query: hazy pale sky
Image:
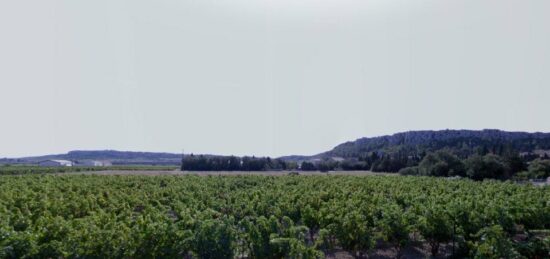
265 77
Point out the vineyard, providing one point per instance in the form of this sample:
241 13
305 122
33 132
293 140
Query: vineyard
87 216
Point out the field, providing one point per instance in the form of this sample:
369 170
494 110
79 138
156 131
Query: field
31 169
160 172
253 216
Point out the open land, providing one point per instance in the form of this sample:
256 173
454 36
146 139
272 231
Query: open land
223 173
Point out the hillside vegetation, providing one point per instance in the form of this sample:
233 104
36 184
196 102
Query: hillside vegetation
487 154
463 143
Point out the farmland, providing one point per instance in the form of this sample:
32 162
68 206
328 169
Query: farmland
33 169
160 172
252 216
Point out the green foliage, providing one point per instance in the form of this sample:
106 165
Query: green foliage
435 226
463 143
307 166
290 242
492 242
324 242
354 232
536 247
86 216
230 163
540 169
441 163
214 239
488 166
395 226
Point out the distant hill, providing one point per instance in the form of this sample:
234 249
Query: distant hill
384 153
116 157
463 143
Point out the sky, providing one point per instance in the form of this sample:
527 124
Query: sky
265 78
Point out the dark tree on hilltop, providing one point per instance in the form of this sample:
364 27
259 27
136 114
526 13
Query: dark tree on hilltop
308 166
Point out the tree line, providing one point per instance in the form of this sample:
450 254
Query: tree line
233 163
479 167
445 163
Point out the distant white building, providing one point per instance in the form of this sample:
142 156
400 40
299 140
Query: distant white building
338 159
93 163
55 163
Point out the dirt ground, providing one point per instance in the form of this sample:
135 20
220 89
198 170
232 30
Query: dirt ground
416 250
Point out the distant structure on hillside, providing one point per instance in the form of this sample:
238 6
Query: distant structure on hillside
93 163
55 163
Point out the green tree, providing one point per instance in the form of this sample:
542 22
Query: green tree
488 166
308 166
539 168
441 163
